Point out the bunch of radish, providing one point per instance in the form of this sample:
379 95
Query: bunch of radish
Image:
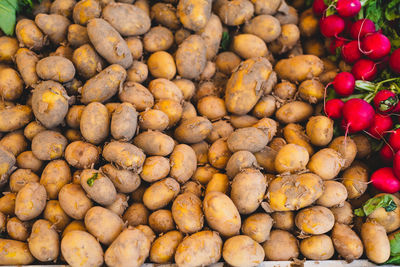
361 45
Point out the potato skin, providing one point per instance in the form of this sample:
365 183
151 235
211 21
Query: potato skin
153 119
15 252
294 112
55 26
55 175
164 89
115 51
187 213
161 221
281 246
79 246
249 138
136 94
183 163
125 155
20 178
8 48
295 134
125 181
376 242
346 242
258 226
164 247
157 39
14 118
136 214
326 163
212 34
299 68
99 188
154 143
311 91
87 62
48 145
204 248
317 247
389 220
77 35
193 130
266 27
291 158
95 123
81 155
315 220
26 61
11 84
194 15
72 196
127 19
7 162
43 242
241 250
190 57
56 215
30 201
355 179
14 142
29 34
160 193
17 229
347 149
56 68
86 10
236 12
124 122
165 14
249 45
320 130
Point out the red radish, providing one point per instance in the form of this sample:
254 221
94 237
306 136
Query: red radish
394 61
396 164
350 52
364 69
344 83
385 180
394 140
335 44
376 46
358 115
319 7
348 23
333 108
386 154
385 101
348 8
362 27
380 125
331 26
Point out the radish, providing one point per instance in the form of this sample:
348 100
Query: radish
380 125
394 140
396 164
386 154
362 27
335 44
385 180
319 7
344 83
333 108
376 46
385 101
350 52
348 23
364 69
331 26
394 61
358 115
348 8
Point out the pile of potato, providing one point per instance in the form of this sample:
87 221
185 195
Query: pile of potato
130 136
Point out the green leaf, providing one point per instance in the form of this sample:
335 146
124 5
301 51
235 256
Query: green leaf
389 103
395 245
8 15
225 41
394 260
90 181
385 201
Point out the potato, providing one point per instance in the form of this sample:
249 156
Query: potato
14 117
249 46
14 142
204 174
308 23
249 138
238 161
81 155
258 226
161 65
265 159
194 15
212 34
294 112
73 201
62 7
192 187
241 250
98 187
164 247
136 94
158 38
346 242
11 84
221 214
390 220
95 123
56 215
180 35
154 143
126 19
363 145
193 130
155 168
265 107
74 115
190 57
326 163
206 88
289 37
48 145
43 242
126 155
138 72
50 103
7 203
285 90
187 88
32 129
355 179
55 175
77 35
294 192
136 214
220 129
311 91
131 248
26 60
288 17
14 253
161 221
30 201
299 68
8 49
172 108
165 89
55 26
125 181
315 220
124 122
219 182
212 107
119 205
153 119
266 7
376 242
183 163
187 213
29 34
320 130
295 134
87 62
200 249
86 10
219 154
344 214
291 158
281 246
17 229
73 226
201 150
161 193
81 248
236 12
227 61
165 14
56 68
242 121
335 194
346 148
265 27
113 49
135 45
246 85
7 162
283 220
318 247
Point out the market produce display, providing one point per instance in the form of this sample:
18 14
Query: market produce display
196 132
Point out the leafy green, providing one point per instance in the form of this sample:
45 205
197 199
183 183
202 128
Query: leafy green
90 181
9 10
385 201
395 245
225 41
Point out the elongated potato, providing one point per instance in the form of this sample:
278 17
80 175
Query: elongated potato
299 68
376 242
266 27
48 145
154 143
164 89
190 57
124 122
239 161
281 246
55 26
219 154
87 62
161 193
43 242
30 201
126 155
136 94
165 14
164 247
161 65
249 46
95 123
183 163
17 229
212 34
14 117
125 181
77 35
326 163
62 7
258 226
26 62
346 242
119 205
11 84
294 112
193 130
73 201
98 187
55 175
194 15
187 213
14 142
315 220
56 215
153 119
14 253
56 68
249 138
241 250
29 34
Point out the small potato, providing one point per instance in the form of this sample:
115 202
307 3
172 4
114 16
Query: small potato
125 181
131 248
221 214
165 89
161 221
48 145
291 158
15 253
162 65
14 142
7 204
335 194
55 175
220 129
376 242
227 61
136 94
81 155
32 129
29 34
161 193
56 68
183 163
124 122
194 15
180 35
295 134
390 220
242 121
17 229
290 35
113 48
43 242
265 107
14 118
126 155
153 119
87 62
294 112
56 215
299 68
73 117
315 220
201 151
219 154
103 224
30 201
193 130
187 213
265 159
219 182
155 168
355 179
138 72
326 163
165 14
283 220
239 161
344 214
308 23
249 138
79 246
204 174
363 145
347 149
236 12
258 226
98 187
11 84
241 250
320 130
86 10
311 91
346 242
281 246
200 249
318 247
55 26
8 48
136 214
77 35
212 107
26 61
135 45
206 88
190 57
73 226
154 143
119 205
266 27
158 38
62 7
95 123
266 6
187 88
164 247
73 201
172 108
127 19
50 103
249 46
285 90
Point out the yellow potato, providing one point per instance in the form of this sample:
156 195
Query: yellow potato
30 201
249 45
291 158
299 68
294 112
283 220
315 220
161 221
14 253
187 213
281 246
43 242
326 163
347 149
317 247
346 242
161 193
164 247
258 226
376 242
241 250
73 201
194 15
55 175
183 163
